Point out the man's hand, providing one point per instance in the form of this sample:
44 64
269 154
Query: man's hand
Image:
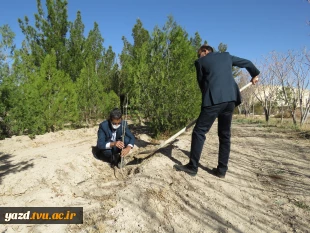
119 144
125 151
254 80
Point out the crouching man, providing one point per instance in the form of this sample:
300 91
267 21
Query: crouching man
110 144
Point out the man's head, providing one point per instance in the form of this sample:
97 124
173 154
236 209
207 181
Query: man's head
115 118
204 50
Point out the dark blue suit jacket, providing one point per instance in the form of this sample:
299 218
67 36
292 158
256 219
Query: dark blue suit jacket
105 135
215 79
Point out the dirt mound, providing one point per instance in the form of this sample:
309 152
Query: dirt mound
267 187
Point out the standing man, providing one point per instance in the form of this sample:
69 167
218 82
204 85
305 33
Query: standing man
109 142
220 95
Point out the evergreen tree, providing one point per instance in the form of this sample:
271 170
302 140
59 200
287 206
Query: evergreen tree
49 32
196 41
160 77
90 90
126 58
94 83
135 69
94 47
48 100
7 47
175 97
76 43
139 76
7 88
222 47
108 70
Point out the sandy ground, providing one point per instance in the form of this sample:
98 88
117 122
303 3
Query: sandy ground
267 187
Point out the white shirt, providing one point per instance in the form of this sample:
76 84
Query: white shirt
113 139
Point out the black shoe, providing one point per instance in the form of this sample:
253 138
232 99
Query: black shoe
185 168
216 172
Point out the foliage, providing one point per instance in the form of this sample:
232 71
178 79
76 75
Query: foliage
6 88
60 76
160 76
46 102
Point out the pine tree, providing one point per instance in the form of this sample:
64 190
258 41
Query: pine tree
159 75
48 100
76 44
94 47
175 97
90 90
49 33
94 82
7 88
107 70
135 68
196 41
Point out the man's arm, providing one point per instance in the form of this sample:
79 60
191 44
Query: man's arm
199 74
101 141
131 142
130 136
244 63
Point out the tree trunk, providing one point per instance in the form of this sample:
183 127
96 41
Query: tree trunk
266 114
294 117
282 113
239 110
305 115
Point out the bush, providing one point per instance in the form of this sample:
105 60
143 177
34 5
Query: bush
286 114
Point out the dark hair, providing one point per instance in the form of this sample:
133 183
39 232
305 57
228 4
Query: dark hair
115 114
206 47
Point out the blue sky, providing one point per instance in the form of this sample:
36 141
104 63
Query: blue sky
250 28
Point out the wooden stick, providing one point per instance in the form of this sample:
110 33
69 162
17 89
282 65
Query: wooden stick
246 86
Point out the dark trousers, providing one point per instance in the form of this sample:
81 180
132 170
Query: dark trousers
113 155
204 122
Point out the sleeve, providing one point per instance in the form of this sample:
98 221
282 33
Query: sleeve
130 136
108 145
101 141
244 63
199 74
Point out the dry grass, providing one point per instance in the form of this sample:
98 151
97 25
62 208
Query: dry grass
275 124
